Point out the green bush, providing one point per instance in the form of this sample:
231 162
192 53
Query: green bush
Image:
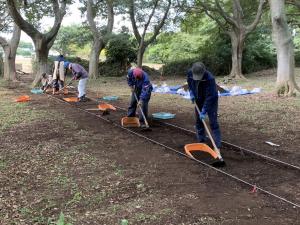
216 56
121 48
24 52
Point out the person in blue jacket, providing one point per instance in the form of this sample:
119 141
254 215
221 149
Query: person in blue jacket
139 83
203 92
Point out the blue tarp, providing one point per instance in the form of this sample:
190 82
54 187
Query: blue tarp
177 89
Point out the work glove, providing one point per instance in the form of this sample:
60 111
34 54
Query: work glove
202 115
193 100
139 103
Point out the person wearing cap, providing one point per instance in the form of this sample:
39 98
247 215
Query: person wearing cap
203 92
139 83
58 74
79 73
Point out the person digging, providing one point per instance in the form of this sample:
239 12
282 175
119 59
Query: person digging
141 89
58 74
203 92
79 73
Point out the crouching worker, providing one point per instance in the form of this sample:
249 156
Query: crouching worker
203 92
79 73
140 85
46 81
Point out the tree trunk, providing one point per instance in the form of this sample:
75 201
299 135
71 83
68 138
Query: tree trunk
41 51
42 42
282 38
94 58
10 51
140 54
237 46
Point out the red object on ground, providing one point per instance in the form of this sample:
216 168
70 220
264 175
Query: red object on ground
23 98
254 189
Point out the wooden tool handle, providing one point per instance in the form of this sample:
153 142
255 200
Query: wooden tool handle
209 135
146 122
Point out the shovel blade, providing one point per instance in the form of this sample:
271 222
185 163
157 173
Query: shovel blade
105 107
130 122
71 99
189 148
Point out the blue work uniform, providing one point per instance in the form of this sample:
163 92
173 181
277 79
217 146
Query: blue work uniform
143 89
205 94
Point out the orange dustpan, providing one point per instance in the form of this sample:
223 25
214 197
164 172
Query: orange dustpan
23 98
130 122
71 99
105 107
189 148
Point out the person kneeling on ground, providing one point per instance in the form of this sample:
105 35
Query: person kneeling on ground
79 73
140 85
203 92
46 81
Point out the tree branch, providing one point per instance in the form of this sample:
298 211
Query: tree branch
59 14
149 19
110 15
90 18
23 24
160 25
226 17
259 13
133 22
294 2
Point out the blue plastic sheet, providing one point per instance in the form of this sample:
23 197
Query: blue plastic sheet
110 98
163 115
37 91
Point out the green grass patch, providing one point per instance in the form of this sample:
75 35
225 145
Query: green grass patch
12 114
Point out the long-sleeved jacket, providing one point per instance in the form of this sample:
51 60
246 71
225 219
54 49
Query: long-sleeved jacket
143 85
204 91
78 72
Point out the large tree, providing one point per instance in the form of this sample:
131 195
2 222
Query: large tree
9 47
231 19
101 9
283 41
42 41
147 16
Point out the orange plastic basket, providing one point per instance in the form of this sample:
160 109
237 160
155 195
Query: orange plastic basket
130 122
23 98
189 148
105 107
71 99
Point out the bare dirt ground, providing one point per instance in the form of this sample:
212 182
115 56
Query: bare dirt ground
247 120
54 158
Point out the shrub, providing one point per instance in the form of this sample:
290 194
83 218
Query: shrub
121 48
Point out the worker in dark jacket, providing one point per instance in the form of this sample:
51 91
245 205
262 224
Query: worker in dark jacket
139 83
79 73
203 92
